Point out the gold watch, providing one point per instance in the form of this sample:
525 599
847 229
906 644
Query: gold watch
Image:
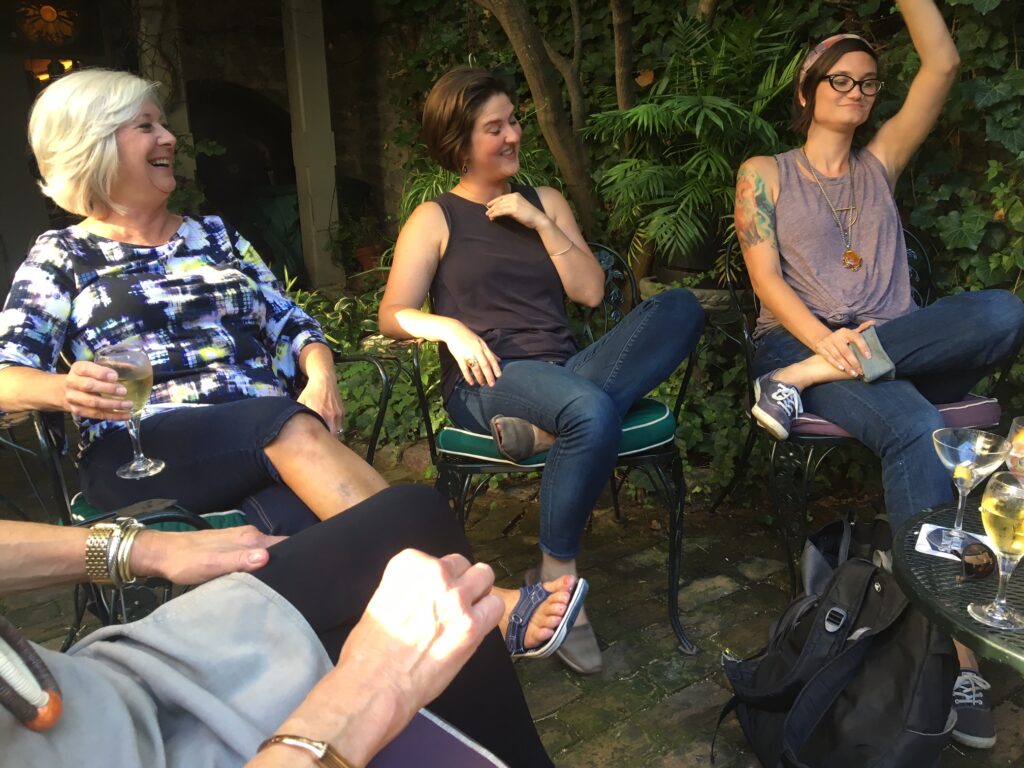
97 548
321 750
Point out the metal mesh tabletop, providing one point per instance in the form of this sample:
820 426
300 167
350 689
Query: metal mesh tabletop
931 585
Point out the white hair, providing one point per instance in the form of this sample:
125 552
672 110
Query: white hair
71 132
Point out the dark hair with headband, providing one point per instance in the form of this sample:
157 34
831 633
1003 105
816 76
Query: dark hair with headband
821 61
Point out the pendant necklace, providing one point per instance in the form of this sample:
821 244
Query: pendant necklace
851 259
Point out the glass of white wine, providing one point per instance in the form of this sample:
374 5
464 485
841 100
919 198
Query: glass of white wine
1002 514
971 455
1015 459
135 373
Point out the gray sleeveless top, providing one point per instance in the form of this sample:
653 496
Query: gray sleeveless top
811 247
496 277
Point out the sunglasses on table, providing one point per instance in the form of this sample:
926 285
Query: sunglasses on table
976 560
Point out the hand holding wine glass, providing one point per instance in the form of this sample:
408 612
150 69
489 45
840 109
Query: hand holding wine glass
135 373
1002 514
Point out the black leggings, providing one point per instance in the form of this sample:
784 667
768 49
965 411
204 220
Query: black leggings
330 571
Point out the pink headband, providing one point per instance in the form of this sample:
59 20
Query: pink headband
823 46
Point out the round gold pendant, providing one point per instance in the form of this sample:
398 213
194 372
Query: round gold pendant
851 260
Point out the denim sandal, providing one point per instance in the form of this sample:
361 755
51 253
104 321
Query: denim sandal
530 598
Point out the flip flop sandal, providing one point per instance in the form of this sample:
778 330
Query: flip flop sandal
530 598
514 438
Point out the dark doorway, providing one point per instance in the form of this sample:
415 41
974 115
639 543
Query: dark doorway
249 179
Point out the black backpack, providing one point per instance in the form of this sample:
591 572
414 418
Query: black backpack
853 676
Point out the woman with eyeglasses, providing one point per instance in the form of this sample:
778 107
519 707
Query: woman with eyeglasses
823 245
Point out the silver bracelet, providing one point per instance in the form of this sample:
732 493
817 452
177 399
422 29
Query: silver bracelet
113 544
131 528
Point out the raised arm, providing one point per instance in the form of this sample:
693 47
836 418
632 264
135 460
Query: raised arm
417 256
757 190
901 135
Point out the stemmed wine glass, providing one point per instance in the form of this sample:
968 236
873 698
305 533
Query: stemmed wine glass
135 373
1015 459
971 455
1002 514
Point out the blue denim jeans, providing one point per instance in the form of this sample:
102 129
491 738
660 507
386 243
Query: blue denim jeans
940 352
582 402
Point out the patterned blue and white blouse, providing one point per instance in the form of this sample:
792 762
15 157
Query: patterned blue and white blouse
216 323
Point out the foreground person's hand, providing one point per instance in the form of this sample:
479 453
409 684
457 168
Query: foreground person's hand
421 626
196 556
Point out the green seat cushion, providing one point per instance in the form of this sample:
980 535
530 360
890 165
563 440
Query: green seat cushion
648 424
82 512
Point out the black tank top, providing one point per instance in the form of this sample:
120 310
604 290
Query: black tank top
496 277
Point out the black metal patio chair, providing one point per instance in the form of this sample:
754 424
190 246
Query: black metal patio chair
466 460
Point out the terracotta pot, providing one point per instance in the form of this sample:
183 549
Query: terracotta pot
368 257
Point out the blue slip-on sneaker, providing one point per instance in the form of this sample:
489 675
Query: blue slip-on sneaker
975 726
776 404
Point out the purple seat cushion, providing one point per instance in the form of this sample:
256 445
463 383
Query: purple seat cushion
973 411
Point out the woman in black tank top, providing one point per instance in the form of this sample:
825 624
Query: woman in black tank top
497 260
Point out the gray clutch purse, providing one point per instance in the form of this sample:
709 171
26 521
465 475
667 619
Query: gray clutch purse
878 366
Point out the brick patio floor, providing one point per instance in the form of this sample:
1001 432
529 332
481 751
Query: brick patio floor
651 706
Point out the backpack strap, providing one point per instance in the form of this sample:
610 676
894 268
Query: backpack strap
833 620
817 698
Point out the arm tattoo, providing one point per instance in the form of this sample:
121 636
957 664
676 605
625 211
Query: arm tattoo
755 212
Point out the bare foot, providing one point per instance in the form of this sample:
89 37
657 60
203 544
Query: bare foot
544 620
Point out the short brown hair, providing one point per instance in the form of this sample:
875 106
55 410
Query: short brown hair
808 86
451 109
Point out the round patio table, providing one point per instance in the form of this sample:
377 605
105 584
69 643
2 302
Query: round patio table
931 585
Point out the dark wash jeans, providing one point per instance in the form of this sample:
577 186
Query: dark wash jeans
582 401
940 352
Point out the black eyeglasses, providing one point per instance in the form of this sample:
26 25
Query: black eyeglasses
976 560
844 84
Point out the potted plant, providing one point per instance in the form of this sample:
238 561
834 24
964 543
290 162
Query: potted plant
716 100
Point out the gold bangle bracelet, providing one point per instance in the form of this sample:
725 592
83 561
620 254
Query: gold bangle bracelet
321 750
563 251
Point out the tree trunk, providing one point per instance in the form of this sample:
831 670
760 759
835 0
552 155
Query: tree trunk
570 70
706 10
565 145
622 30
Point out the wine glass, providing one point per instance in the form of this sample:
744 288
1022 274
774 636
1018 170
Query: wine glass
971 455
1002 514
135 373
1015 459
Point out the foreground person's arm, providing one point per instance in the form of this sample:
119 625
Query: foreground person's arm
34 555
422 624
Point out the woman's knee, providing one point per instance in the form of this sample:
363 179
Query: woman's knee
1002 312
591 416
302 429
681 310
